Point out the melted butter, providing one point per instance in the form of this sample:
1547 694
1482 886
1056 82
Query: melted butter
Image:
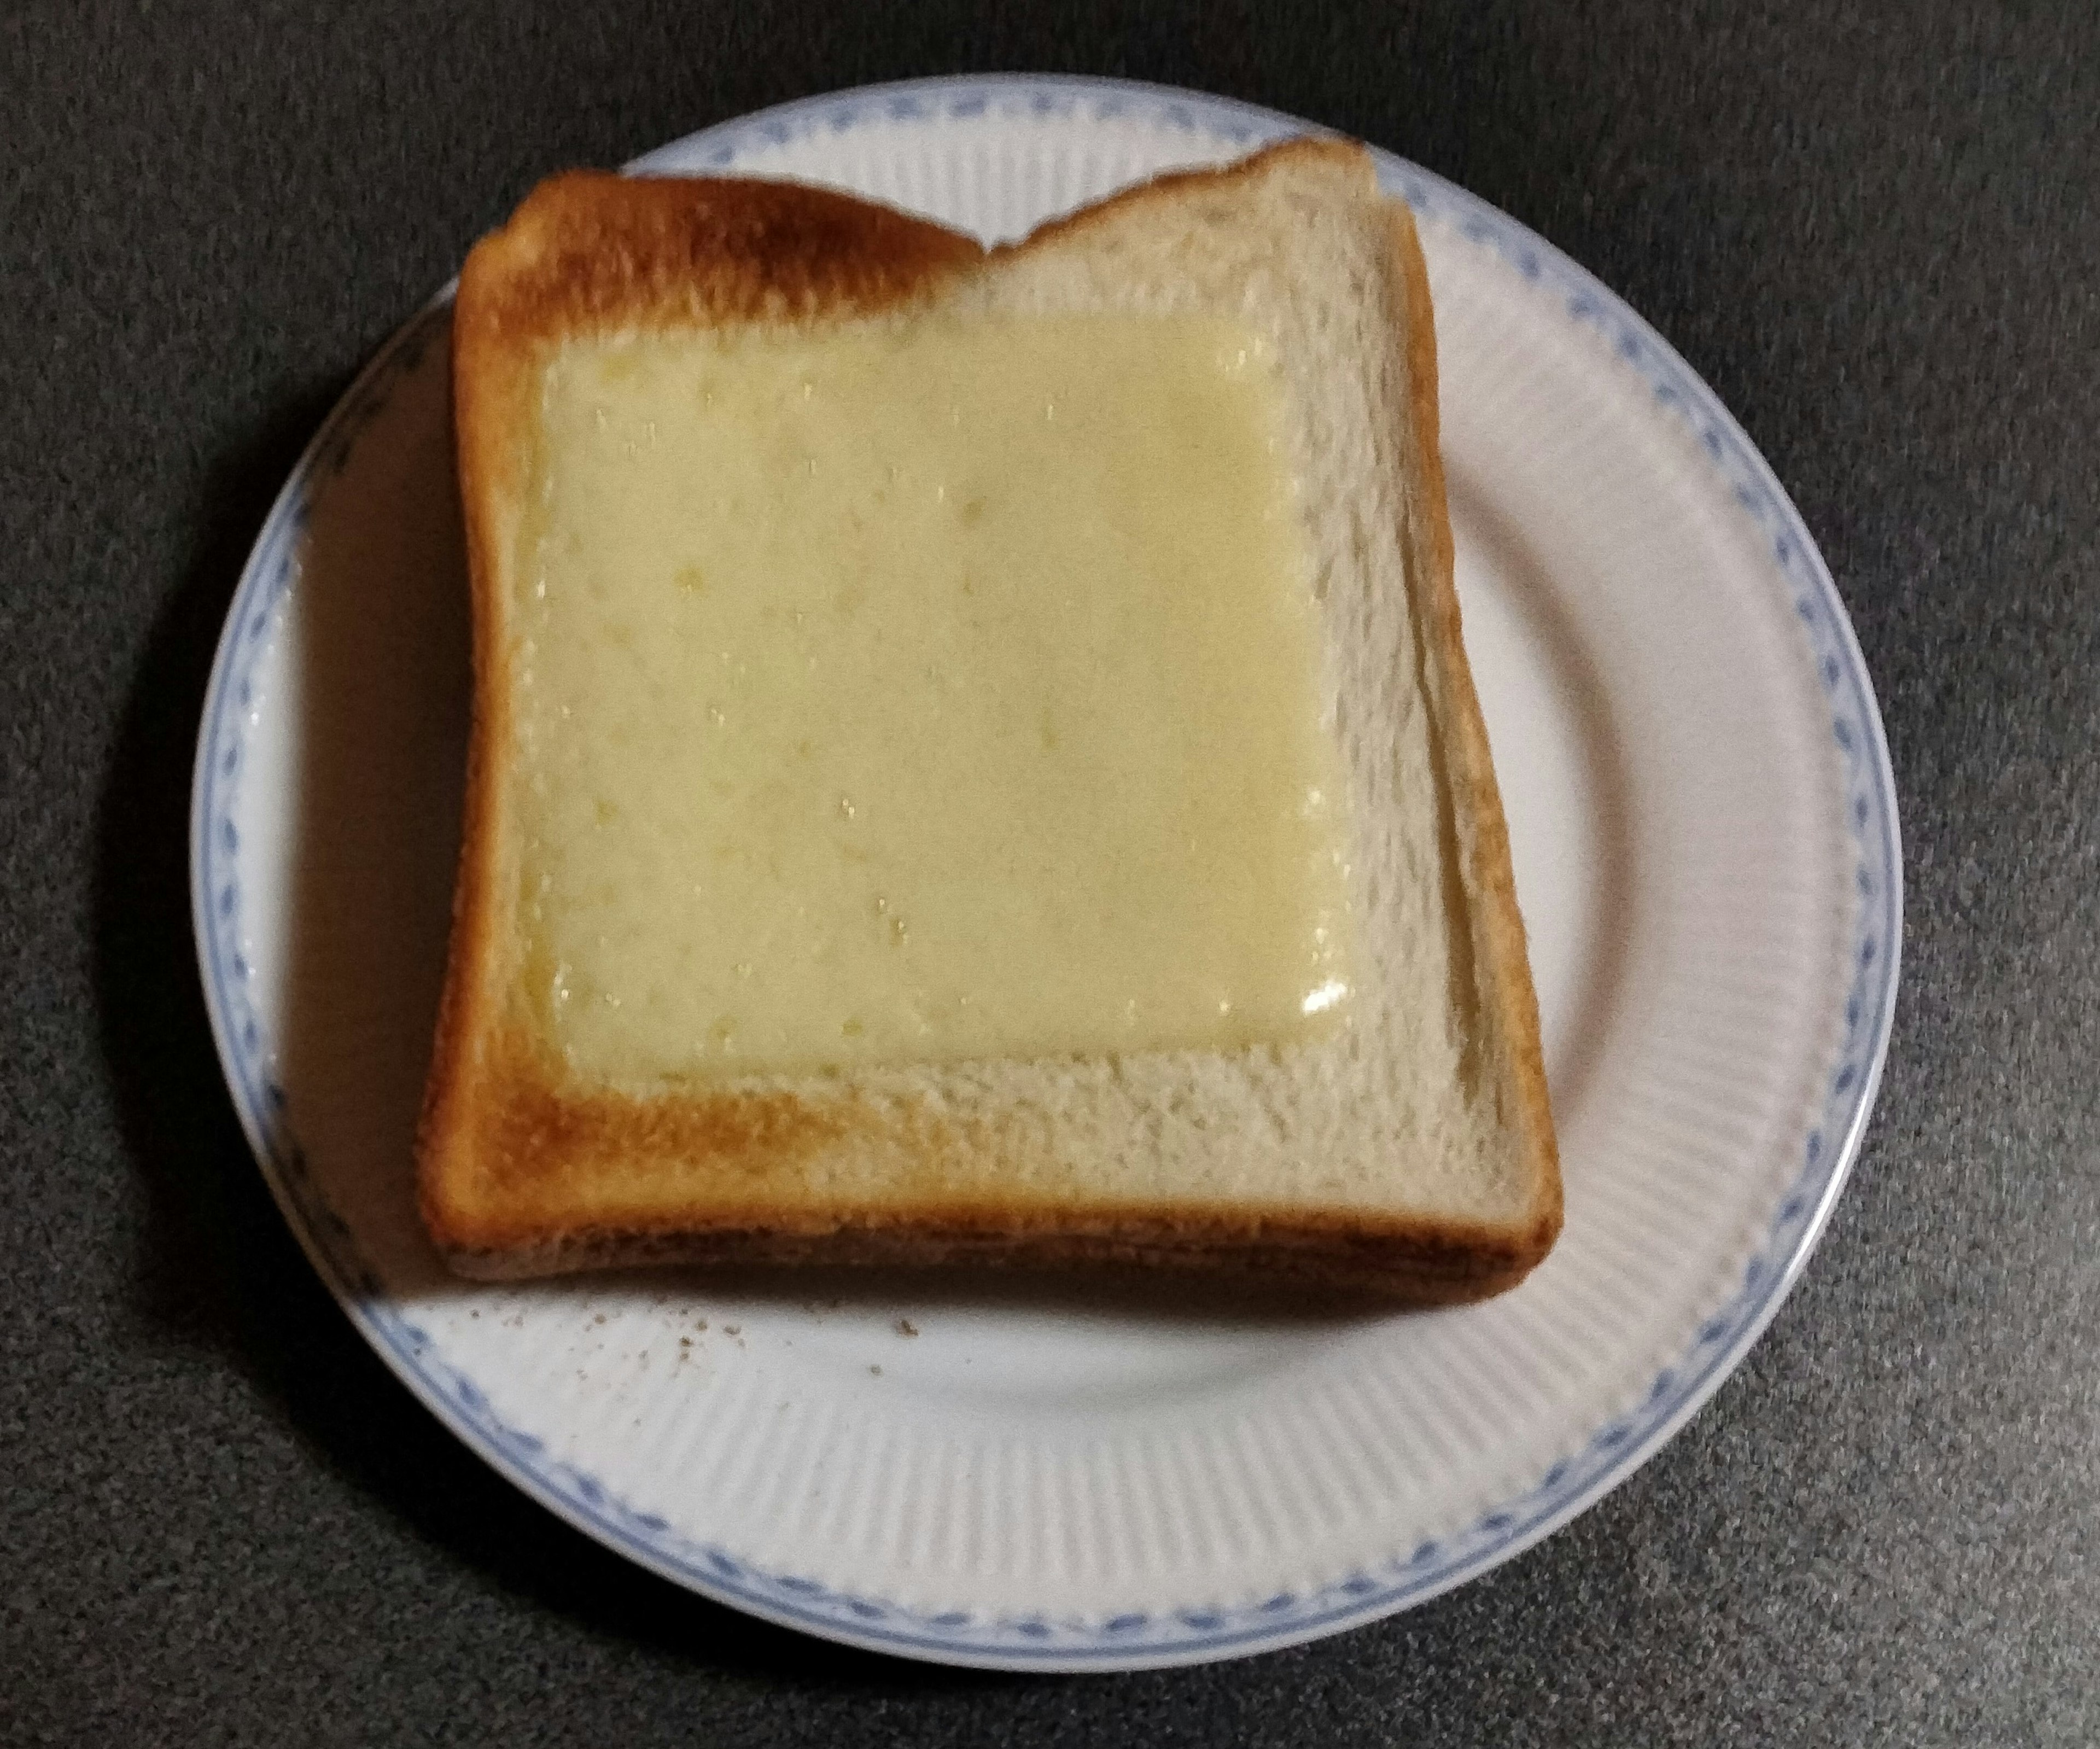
917 694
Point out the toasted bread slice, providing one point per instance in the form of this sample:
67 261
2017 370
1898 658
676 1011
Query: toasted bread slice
1408 1151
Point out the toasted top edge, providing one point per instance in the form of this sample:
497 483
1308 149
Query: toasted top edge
589 249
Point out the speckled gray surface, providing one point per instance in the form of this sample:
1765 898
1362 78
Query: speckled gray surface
1873 230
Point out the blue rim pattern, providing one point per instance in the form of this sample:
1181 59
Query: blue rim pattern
1133 1639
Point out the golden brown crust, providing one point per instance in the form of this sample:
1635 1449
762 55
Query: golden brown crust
589 252
480 383
505 1142
1498 925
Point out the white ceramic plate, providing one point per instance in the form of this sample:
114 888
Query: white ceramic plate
1705 846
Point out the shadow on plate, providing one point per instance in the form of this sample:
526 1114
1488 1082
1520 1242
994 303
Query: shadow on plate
1584 702
1099 1294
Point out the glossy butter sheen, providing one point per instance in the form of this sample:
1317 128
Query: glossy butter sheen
919 693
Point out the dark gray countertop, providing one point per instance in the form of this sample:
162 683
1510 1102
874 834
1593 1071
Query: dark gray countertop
1872 228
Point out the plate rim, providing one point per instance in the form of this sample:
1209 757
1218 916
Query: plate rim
1167 1636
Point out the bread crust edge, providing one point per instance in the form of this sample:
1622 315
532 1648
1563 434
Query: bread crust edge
1496 923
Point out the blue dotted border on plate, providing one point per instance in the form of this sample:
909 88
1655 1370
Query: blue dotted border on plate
1134 1638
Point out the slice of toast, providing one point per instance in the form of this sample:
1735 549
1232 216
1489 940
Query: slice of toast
1407 1152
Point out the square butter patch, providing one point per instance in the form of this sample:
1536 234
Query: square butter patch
920 692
